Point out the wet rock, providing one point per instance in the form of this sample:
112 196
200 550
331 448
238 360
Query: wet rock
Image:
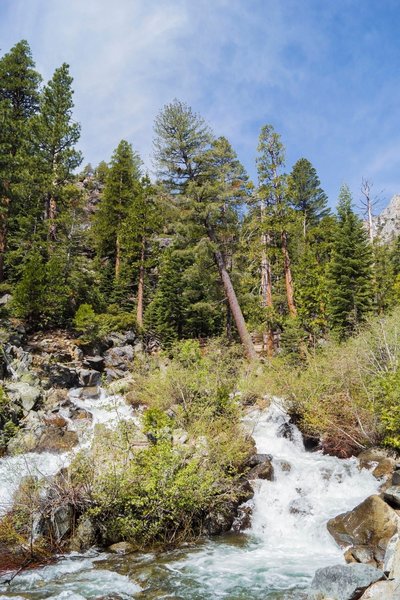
121 548
372 523
286 430
63 376
343 582
380 460
90 393
56 440
243 519
382 590
221 520
55 420
258 459
392 496
361 554
263 470
391 549
84 536
301 507
24 394
396 478
89 377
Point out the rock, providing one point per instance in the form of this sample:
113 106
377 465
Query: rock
396 478
62 376
372 523
286 431
55 420
62 519
89 377
361 554
84 536
392 496
119 357
221 520
121 548
24 394
343 582
382 590
138 348
300 506
263 470
5 299
55 439
94 362
243 519
258 459
90 393
378 459
390 553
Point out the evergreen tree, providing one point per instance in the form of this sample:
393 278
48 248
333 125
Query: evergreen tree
122 185
19 98
351 289
208 180
305 194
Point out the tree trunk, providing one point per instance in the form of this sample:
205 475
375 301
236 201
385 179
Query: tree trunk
52 214
288 276
266 286
231 298
117 258
139 312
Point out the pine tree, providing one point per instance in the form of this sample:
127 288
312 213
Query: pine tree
351 287
19 98
305 194
122 185
54 135
207 180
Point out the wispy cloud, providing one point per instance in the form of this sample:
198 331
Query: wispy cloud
323 73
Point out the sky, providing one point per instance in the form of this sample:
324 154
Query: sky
324 73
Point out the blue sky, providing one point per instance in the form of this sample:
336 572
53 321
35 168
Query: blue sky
325 73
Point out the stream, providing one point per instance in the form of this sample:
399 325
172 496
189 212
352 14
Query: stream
275 559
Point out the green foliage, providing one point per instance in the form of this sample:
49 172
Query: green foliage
350 271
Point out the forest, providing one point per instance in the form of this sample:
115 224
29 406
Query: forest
200 251
235 291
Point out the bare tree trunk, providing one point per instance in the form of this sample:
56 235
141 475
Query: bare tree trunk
288 276
232 298
117 258
139 312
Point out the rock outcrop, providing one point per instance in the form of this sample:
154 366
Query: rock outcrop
343 582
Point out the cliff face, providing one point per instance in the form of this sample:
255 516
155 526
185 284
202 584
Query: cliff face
387 224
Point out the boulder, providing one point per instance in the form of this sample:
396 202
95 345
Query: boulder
121 548
382 463
94 362
343 582
89 377
24 394
84 536
396 478
62 376
119 357
372 523
263 470
392 495
55 439
382 590
361 554
222 518
392 558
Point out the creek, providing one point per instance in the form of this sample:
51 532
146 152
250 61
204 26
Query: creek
274 559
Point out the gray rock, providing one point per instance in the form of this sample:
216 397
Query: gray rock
5 299
392 495
89 377
24 394
343 582
263 470
390 552
84 536
94 362
396 478
382 590
62 376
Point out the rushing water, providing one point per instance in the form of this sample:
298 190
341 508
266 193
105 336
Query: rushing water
275 559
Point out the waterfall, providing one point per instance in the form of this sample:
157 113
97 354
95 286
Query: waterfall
275 558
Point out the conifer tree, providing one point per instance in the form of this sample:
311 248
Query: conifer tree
55 135
121 186
351 288
306 195
207 180
19 98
